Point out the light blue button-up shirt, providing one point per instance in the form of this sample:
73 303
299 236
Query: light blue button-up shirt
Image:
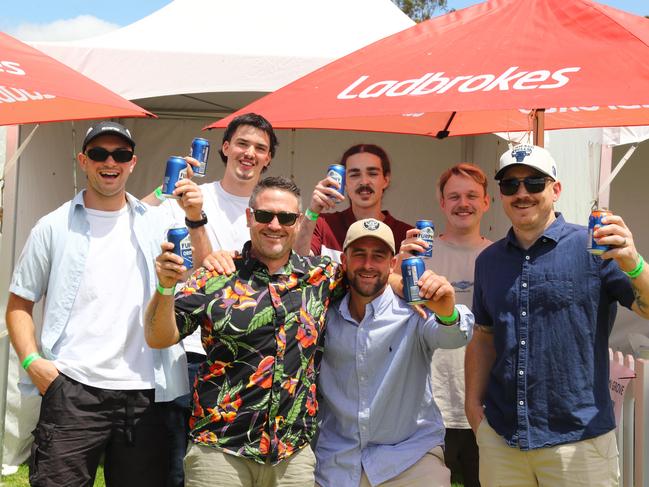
53 261
378 412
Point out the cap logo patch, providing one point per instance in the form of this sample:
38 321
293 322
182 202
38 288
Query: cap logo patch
371 225
520 152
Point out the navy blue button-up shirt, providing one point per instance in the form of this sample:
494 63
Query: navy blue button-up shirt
551 308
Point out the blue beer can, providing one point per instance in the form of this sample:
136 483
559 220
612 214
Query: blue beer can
594 222
411 270
179 236
427 234
175 171
337 173
200 151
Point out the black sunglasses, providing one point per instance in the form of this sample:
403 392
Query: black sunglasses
99 154
284 218
509 187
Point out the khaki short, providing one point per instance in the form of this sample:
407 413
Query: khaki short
209 467
588 463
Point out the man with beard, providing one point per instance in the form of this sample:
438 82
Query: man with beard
379 421
255 399
367 176
249 144
462 193
537 369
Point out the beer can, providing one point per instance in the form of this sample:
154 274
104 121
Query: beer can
337 173
175 171
411 270
200 151
594 222
427 234
179 236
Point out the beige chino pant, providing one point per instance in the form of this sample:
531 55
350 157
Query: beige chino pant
210 467
588 463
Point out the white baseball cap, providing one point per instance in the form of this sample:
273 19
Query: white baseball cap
528 155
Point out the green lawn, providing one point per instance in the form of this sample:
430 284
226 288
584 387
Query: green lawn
21 478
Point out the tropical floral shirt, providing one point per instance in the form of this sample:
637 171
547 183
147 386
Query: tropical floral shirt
255 395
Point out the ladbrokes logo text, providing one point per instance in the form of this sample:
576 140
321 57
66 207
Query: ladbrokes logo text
512 78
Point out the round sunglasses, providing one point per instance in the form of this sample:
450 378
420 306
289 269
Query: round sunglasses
509 187
99 154
285 218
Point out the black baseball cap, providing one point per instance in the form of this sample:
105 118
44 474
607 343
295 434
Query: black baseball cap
104 128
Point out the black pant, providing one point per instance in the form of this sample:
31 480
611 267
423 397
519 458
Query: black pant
79 423
461 456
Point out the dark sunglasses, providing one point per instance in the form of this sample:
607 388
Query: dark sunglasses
99 154
284 218
509 187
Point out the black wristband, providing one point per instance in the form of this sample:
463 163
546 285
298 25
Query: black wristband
197 223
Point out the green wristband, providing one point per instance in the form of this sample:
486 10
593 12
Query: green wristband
165 291
29 359
638 269
158 193
311 215
449 320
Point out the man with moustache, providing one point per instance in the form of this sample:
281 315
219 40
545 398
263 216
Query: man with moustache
367 176
463 198
249 144
105 391
255 400
537 369
379 421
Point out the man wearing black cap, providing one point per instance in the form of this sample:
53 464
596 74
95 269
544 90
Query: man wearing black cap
104 389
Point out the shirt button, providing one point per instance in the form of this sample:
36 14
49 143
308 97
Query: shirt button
527 257
545 240
520 403
520 372
523 342
524 313
524 284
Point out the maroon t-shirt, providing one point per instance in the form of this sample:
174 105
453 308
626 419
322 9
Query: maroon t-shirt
331 228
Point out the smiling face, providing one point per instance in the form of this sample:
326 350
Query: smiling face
272 242
530 212
248 153
367 262
364 179
106 180
463 202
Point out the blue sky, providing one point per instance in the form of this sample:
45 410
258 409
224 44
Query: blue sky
65 19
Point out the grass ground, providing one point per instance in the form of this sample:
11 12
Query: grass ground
21 478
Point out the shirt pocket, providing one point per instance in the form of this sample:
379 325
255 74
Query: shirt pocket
551 292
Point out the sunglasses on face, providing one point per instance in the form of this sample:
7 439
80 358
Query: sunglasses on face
99 154
284 218
509 187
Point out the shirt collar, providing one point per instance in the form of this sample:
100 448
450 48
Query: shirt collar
377 305
133 203
295 264
553 232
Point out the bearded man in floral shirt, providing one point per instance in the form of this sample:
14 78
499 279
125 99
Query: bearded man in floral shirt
255 395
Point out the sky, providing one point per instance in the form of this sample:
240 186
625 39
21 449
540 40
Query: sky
54 20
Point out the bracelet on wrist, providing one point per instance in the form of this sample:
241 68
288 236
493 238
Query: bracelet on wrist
158 193
165 291
311 215
29 359
637 270
449 320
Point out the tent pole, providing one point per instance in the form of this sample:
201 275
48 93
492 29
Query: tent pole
539 127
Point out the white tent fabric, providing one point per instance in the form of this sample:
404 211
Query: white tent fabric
217 47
